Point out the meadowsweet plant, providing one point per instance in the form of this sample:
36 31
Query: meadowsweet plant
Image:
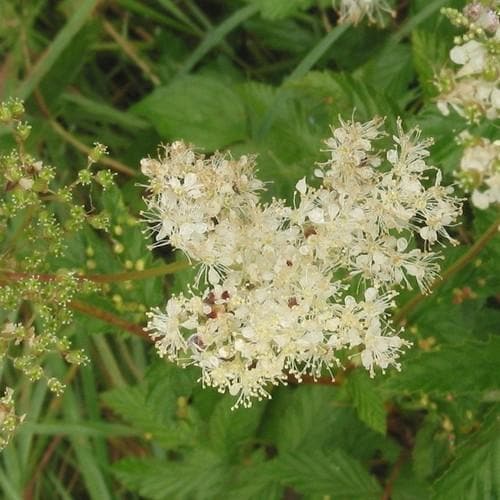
472 89
292 290
36 219
218 324
354 11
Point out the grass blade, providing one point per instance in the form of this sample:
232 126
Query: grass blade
61 490
105 112
175 11
109 361
63 38
214 37
8 488
36 401
317 52
88 466
143 10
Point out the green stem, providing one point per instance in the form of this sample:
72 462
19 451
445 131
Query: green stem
152 272
80 146
317 52
110 318
216 36
130 51
458 265
61 41
109 361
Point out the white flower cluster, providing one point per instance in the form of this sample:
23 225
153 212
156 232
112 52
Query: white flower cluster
290 287
480 170
473 90
354 11
197 202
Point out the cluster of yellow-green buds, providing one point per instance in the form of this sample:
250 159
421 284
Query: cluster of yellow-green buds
9 421
35 294
30 350
478 19
102 177
471 88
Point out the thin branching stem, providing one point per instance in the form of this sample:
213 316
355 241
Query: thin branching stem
152 272
403 313
131 52
116 165
110 318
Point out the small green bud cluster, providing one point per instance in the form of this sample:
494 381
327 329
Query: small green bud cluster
38 217
104 178
471 88
97 153
478 19
11 110
8 418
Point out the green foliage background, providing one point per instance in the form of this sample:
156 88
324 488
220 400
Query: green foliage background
265 77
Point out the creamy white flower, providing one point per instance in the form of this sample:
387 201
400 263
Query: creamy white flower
472 90
195 200
471 98
480 171
472 56
283 283
354 11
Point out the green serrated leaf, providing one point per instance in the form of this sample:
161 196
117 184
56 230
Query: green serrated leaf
201 475
428 46
199 109
392 69
431 448
298 418
230 429
255 479
409 487
155 417
314 417
332 473
475 473
468 367
367 400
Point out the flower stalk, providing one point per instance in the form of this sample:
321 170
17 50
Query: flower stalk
405 311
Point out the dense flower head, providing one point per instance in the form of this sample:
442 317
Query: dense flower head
195 200
289 288
472 89
354 11
479 172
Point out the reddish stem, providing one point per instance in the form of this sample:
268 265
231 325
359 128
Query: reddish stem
110 318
